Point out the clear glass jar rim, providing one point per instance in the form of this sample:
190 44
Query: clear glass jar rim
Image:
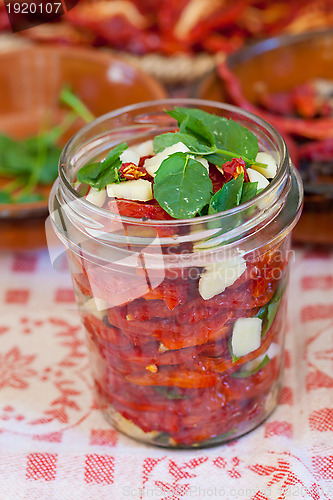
277 180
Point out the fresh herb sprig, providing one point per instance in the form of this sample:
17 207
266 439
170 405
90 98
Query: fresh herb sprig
233 193
182 185
217 138
268 312
181 190
248 373
29 162
33 161
100 174
169 392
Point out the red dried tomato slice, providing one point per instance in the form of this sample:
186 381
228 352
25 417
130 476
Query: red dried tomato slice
225 364
172 292
148 354
130 171
178 377
97 328
317 150
83 284
138 210
222 17
320 128
233 168
216 177
174 335
115 286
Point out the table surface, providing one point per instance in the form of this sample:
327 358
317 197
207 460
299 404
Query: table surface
55 444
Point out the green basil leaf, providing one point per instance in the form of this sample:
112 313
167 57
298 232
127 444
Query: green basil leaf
268 312
34 143
19 161
74 102
113 155
168 139
6 143
189 123
89 173
109 176
29 197
182 186
49 170
228 134
272 309
229 196
233 357
204 211
249 373
262 312
105 172
5 197
169 392
249 191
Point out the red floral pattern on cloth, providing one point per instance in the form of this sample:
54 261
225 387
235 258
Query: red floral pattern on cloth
54 442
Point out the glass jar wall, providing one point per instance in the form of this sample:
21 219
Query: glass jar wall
164 303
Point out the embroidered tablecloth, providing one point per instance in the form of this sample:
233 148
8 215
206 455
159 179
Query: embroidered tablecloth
55 444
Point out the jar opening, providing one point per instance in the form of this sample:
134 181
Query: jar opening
139 122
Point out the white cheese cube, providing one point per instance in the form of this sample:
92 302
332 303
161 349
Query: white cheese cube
96 197
144 148
138 189
255 176
96 307
153 164
271 352
246 336
270 171
203 162
130 155
219 275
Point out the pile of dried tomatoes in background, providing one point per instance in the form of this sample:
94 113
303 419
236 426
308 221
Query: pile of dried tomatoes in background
178 26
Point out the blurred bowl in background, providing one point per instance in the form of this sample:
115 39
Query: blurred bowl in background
270 72
31 79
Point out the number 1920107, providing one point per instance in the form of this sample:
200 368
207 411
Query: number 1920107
33 8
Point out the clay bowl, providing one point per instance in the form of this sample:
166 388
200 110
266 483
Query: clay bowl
30 81
279 64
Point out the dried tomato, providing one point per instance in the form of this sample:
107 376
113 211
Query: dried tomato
97 328
320 151
216 177
83 284
144 211
130 171
172 292
233 168
178 377
320 128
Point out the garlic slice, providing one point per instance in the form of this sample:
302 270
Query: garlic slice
255 176
130 156
96 197
144 148
246 336
138 189
219 275
153 164
270 171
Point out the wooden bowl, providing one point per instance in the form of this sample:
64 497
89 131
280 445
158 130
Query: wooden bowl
279 64
30 82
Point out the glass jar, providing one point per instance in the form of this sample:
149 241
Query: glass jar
161 300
